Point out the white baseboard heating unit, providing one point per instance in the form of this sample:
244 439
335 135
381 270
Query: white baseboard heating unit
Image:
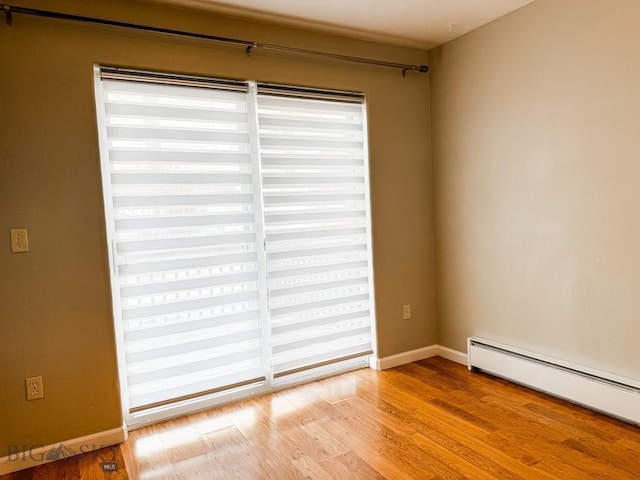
607 393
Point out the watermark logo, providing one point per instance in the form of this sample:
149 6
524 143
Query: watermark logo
109 467
105 455
61 451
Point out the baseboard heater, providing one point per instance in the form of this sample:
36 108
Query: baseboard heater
607 393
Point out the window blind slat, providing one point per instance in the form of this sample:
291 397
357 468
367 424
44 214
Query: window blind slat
189 344
183 241
215 260
200 321
295 248
167 277
142 222
166 323
168 367
142 289
312 337
124 155
361 310
325 309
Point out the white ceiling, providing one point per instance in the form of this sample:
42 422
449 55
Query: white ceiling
416 23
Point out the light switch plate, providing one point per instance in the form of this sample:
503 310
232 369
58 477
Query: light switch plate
19 240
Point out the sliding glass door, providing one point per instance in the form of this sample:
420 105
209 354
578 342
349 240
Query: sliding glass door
238 225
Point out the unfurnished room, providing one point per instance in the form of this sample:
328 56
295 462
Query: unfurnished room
277 239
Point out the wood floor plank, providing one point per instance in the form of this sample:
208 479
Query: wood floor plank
601 453
329 443
349 465
382 413
392 444
403 419
391 468
503 417
397 391
181 439
629 444
436 425
310 469
451 459
579 436
424 421
579 418
562 461
442 379
463 412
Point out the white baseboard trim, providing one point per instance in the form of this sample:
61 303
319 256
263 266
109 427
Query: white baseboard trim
21 456
404 357
453 355
418 354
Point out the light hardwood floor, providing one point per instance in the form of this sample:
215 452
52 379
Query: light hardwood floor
432 419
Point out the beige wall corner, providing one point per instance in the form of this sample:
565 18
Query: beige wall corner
535 143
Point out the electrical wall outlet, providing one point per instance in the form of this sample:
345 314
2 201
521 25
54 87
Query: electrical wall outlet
19 240
406 312
34 388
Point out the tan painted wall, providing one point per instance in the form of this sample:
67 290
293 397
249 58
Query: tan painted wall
536 131
55 311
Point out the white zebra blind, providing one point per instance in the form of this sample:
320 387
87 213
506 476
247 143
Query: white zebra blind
185 247
316 223
239 233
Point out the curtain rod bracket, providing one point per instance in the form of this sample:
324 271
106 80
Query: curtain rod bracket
8 15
